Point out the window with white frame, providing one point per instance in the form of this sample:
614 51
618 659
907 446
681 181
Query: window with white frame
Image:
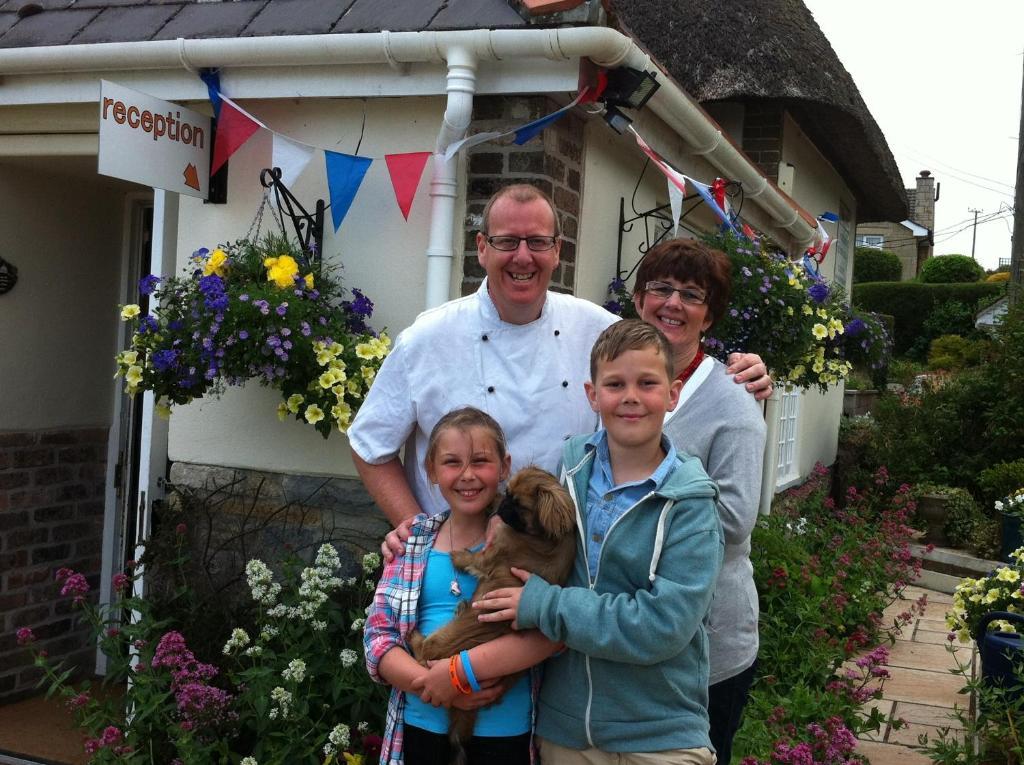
786 471
870 240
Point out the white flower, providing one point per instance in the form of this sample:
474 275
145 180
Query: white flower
261 582
358 624
268 632
370 562
239 639
318 625
283 699
348 657
248 761
339 736
327 557
363 727
295 671
254 651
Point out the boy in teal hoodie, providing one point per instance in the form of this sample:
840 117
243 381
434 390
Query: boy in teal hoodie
634 680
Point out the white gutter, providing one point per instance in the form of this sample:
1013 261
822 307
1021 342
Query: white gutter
461 50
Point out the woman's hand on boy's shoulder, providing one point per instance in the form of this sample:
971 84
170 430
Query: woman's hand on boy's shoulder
502 605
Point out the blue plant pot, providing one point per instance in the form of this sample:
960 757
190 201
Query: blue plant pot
999 651
1011 536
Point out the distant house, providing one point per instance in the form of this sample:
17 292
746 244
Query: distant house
911 239
750 91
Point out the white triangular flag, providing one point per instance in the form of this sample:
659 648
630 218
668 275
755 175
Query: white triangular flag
291 157
675 198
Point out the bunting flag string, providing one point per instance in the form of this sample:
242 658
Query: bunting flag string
290 157
235 126
522 134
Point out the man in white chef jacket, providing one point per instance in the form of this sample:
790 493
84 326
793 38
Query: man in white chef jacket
513 349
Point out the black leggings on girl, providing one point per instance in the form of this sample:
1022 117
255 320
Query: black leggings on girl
421 747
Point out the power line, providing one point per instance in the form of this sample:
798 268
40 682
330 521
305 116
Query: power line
931 160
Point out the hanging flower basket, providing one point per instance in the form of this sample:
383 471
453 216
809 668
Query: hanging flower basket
255 310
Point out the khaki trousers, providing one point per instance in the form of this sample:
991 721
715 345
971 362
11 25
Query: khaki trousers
553 754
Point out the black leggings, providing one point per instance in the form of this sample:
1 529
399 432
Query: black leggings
421 747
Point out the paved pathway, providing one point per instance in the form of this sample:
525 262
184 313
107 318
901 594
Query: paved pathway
921 690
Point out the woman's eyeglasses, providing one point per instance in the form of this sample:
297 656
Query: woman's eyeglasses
689 295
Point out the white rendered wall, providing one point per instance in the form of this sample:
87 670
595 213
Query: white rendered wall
58 324
817 187
382 254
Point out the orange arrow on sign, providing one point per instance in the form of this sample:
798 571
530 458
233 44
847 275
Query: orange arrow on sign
191 177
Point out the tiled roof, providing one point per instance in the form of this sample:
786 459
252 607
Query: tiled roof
25 24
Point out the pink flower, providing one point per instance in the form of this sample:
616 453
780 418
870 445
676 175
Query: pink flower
62 574
111 735
92 745
79 701
25 636
76 586
121 582
181 529
113 632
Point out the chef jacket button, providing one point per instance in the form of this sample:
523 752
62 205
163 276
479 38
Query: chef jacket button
565 383
557 333
484 338
490 389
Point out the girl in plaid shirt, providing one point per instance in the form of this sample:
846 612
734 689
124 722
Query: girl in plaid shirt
467 459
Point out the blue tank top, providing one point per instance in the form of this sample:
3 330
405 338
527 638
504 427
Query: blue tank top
511 715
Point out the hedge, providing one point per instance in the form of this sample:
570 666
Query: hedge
874 265
910 303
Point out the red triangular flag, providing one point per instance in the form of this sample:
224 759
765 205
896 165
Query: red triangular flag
234 128
406 171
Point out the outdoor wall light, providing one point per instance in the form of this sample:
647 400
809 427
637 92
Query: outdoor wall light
629 87
616 119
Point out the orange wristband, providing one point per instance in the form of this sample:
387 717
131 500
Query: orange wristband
453 673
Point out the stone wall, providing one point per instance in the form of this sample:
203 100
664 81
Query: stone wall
51 516
552 161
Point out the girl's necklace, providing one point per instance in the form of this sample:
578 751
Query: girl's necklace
453 587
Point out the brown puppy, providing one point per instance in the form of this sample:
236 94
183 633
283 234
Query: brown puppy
538 536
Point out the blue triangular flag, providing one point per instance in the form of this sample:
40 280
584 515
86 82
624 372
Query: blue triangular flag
344 174
212 79
528 131
705 192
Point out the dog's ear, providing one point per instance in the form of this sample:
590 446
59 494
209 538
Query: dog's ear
555 512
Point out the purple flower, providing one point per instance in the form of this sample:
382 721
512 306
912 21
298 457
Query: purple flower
244 297
282 309
613 307
214 297
263 305
818 292
243 334
148 324
306 331
147 284
855 327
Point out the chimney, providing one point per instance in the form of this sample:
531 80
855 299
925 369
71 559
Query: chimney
924 203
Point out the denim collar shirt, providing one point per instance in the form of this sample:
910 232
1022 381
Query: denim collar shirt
606 501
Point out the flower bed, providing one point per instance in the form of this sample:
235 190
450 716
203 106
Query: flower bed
825 575
255 310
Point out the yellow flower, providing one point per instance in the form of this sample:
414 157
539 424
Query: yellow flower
282 411
130 311
819 331
354 389
308 279
1005 574
294 402
817 367
789 310
368 374
324 357
822 313
281 270
797 372
337 348
314 414
162 411
326 380
807 310
128 357
342 414
217 263
134 375
365 351
353 759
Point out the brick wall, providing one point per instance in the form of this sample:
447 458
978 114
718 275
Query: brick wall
552 161
51 515
762 136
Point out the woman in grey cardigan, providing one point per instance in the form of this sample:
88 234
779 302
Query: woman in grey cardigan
682 288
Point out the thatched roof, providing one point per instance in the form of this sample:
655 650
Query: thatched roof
751 50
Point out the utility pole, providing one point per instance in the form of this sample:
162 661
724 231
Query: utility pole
974 231
1017 244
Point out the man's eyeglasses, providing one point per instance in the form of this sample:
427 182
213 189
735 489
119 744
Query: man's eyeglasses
689 295
509 243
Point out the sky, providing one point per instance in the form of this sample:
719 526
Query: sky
942 79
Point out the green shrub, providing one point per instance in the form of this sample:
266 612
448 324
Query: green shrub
911 303
1001 480
874 265
904 370
953 352
946 269
967 527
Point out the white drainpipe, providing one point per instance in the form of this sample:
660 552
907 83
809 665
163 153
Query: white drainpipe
444 186
461 50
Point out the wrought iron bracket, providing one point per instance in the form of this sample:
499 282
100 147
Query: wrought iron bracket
657 224
309 228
